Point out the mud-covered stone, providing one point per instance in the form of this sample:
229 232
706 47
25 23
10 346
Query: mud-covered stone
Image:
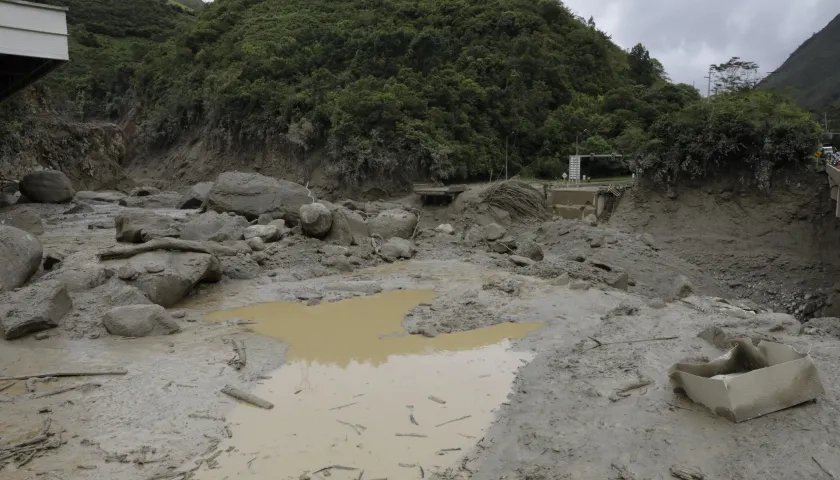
20 257
47 186
34 308
682 287
195 196
22 217
139 226
240 267
215 227
530 249
184 270
252 194
266 233
397 248
158 200
494 231
393 223
139 321
348 228
145 191
315 220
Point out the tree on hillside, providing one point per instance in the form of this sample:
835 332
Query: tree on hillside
735 75
644 70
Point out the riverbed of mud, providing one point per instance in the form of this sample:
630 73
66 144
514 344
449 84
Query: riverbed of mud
455 364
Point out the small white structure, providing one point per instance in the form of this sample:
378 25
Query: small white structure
33 42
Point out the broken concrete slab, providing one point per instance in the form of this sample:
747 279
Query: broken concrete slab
33 308
749 381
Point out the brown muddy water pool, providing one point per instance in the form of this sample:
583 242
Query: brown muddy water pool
359 395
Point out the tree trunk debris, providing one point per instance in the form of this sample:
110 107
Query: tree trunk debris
247 397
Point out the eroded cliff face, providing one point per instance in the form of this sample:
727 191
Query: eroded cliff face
88 153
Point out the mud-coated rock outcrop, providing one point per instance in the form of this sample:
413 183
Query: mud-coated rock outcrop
20 257
393 223
33 308
167 277
252 194
22 217
348 228
139 321
215 227
47 186
195 196
139 226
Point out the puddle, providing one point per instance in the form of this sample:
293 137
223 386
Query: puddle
351 386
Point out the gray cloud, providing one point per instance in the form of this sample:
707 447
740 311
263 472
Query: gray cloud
689 35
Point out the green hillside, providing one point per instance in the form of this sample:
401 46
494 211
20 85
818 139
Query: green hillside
812 72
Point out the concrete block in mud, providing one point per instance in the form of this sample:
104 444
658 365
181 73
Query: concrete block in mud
139 226
20 257
195 196
118 294
24 218
397 248
393 223
139 321
47 186
34 308
315 220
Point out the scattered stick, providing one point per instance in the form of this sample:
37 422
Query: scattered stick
8 385
422 472
67 389
437 400
334 467
206 417
686 473
172 244
65 374
361 474
825 470
247 397
355 428
444 450
239 359
603 344
623 473
343 406
411 417
417 435
455 420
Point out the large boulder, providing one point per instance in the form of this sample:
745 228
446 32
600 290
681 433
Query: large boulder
266 233
117 293
158 200
139 226
215 227
167 277
315 220
397 248
47 186
139 321
393 223
348 228
252 194
33 308
195 196
24 218
20 257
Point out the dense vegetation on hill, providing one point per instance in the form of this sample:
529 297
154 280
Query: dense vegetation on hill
812 72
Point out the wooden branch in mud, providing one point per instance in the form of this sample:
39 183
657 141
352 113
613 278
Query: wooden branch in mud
8 385
247 397
437 400
344 406
171 244
417 435
454 420
623 472
65 374
825 470
642 340
240 358
334 467
67 389
353 426
411 417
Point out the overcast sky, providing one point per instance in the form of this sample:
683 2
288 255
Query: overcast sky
689 35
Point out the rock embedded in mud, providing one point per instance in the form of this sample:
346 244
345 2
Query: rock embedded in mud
20 257
80 207
648 240
47 186
256 244
195 196
143 191
33 308
393 223
240 267
657 303
159 200
348 228
315 220
682 287
214 227
579 285
561 280
591 220
494 231
140 226
139 321
266 233
252 194
397 248
24 218
334 250
521 261
597 243
445 228
117 294
530 249
82 277
620 281
184 270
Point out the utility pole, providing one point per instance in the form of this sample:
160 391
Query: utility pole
709 88
506 156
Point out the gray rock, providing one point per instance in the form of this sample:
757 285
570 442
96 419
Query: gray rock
266 233
195 196
252 194
591 220
657 303
530 249
494 231
339 262
159 200
81 277
521 261
348 228
648 240
22 217
255 244
33 308
47 186
682 287
334 250
143 191
139 226
315 220
597 243
240 267
117 294
127 272
215 227
105 196
139 321
576 257
475 234
265 219
561 280
397 248
80 207
184 270
393 223
579 285
445 228
620 281
20 257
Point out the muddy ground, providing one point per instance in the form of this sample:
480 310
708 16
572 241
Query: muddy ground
353 389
